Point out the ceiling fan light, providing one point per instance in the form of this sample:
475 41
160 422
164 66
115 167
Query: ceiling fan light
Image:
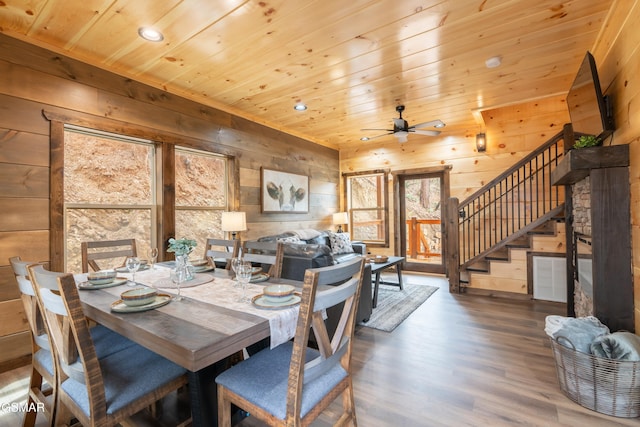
439 124
364 138
402 136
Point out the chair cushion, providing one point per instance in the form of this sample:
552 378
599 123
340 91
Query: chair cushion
128 375
44 358
263 380
107 341
340 243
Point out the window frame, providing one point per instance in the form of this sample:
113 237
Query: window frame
383 195
165 143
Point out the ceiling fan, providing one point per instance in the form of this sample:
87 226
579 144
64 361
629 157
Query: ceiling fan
401 128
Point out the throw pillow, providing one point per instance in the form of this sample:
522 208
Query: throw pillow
289 239
340 243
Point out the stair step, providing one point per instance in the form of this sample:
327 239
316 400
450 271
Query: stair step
548 228
479 267
521 242
499 255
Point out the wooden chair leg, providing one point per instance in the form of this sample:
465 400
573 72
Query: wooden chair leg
224 409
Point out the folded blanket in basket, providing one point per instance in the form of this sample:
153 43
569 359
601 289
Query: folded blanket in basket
617 346
575 332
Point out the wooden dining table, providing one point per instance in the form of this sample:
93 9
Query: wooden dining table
196 335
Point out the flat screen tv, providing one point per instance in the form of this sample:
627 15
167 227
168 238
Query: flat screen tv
590 112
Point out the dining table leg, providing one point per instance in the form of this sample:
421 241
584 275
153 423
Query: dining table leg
204 396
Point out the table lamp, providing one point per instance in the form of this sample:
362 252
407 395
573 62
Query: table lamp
340 218
233 222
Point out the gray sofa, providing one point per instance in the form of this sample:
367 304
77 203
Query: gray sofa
315 251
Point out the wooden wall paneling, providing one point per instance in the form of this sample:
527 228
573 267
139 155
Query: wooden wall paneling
24 180
618 60
24 214
23 148
10 323
29 245
13 347
8 285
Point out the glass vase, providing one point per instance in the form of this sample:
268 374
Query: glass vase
182 262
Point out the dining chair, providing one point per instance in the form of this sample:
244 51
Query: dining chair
106 249
98 391
292 384
270 253
42 381
221 249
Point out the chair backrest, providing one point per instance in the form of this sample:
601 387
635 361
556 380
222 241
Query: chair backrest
106 249
221 249
70 334
345 280
271 253
30 303
43 358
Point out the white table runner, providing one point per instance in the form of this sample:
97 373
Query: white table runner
223 293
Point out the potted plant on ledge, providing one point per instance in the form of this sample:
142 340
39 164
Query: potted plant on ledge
587 141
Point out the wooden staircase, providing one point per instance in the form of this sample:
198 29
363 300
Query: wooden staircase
505 215
502 253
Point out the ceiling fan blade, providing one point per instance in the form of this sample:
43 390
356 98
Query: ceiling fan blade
378 136
431 123
386 130
425 132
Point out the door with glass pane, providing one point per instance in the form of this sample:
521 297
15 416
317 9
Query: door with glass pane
421 207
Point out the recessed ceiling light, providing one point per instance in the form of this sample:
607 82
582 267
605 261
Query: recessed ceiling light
364 138
150 34
300 106
493 62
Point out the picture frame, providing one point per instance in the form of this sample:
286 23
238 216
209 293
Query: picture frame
283 192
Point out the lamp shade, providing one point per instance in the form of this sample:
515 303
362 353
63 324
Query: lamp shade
340 218
233 221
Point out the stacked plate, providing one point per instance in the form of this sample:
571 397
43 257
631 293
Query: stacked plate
277 296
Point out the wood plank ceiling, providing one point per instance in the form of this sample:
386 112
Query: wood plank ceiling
351 62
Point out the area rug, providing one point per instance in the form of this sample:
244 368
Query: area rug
395 305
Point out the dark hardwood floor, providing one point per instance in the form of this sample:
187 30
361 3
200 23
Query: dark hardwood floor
458 360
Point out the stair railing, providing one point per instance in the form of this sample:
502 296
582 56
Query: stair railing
517 198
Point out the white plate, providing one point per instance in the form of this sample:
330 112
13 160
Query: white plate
260 277
203 269
124 269
116 282
278 300
261 302
121 307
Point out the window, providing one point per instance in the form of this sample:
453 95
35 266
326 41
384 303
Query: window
367 195
201 195
111 191
108 190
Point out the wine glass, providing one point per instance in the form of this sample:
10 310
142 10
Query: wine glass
152 253
177 277
133 264
235 262
244 271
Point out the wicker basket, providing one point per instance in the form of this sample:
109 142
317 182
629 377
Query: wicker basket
607 386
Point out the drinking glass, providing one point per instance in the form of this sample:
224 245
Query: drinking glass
152 253
133 264
177 277
235 262
244 271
